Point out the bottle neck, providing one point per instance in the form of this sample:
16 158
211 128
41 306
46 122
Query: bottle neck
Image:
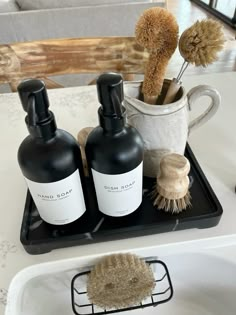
112 124
44 130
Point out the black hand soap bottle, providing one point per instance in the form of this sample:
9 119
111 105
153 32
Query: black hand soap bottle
114 152
50 159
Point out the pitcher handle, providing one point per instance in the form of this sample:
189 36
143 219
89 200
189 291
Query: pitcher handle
193 95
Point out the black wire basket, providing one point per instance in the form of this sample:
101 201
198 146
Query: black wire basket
162 292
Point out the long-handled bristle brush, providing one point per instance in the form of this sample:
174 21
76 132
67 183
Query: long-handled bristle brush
157 31
171 192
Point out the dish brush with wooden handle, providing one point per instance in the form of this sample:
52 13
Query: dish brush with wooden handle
198 45
157 31
171 192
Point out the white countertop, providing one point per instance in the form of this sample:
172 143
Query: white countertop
214 145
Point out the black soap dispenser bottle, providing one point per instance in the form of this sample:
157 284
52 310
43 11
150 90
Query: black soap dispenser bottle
114 152
50 159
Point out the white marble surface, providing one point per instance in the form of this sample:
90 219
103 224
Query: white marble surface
214 145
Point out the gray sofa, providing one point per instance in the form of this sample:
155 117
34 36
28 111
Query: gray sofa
26 20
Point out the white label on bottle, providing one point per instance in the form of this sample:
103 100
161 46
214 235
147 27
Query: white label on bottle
121 194
59 202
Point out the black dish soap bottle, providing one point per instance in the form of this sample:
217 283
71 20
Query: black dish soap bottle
114 152
50 159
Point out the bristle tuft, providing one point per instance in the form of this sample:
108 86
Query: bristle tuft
171 205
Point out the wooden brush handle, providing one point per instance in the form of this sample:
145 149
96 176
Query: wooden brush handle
83 135
154 77
173 180
172 91
151 100
82 138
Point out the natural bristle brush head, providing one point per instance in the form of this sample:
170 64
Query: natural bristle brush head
157 31
200 43
120 280
171 191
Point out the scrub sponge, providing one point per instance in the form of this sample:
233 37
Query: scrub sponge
119 281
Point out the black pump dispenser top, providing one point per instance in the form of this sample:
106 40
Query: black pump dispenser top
40 121
111 96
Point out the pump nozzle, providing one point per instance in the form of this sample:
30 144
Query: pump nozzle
34 99
110 93
36 89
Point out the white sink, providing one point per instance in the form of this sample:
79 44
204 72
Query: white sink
204 283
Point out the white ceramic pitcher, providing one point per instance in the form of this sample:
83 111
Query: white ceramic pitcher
165 128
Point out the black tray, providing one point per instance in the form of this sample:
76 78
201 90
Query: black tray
39 237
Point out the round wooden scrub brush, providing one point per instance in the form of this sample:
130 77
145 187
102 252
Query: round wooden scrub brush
157 31
120 280
198 45
171 192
